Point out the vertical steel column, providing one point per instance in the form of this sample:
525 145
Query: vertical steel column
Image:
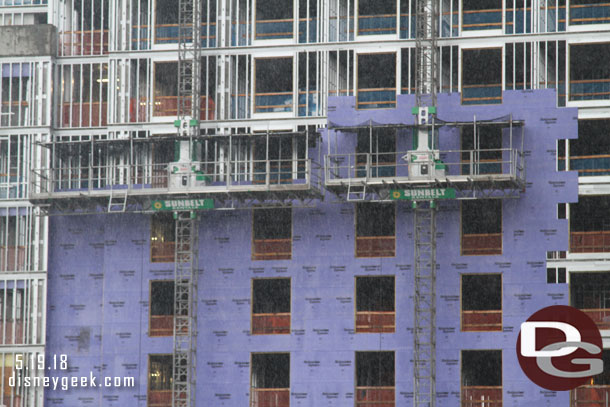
426 52
185 310
189 60
424 332
186 253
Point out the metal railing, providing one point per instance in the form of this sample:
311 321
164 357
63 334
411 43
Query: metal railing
486 94
590 89
581 14
269 397
376 98
481 244
481 321
272 249
273 29
371 166
375 321
587 165
482 19
155 178
381 24
273 102
271 323
590 396
481 396
375 396
89 42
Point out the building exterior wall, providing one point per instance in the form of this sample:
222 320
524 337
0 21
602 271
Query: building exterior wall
100 273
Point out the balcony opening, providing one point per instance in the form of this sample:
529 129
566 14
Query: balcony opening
166 24
12 315
161 308
597 392
272 234
375 306
162 238
16 94
481 227
375 153
481 15
481 302
308 84
590 152
376 17
590 292
166 89
481 86
274 19
308 22
84 97
270 306
584 12
273 85
375 230
86 32
590 72
279 160
375 379
270 380
160 380
481 150
590 225
13 232
376 81
519 72
481 378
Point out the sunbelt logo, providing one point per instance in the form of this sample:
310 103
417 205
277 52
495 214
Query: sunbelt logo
560 348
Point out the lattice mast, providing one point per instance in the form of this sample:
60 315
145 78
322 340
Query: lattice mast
424 333
186 250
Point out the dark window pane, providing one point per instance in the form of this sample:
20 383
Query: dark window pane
272 223
561 275
273 75
551 276
481 292
162 298
270 370
473 61
481 216
376 71
375 293
374 369
271 295
481 368
375 219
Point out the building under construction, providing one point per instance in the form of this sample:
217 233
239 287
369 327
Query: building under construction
340 203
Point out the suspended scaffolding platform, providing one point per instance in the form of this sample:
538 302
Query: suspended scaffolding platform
245 167
473 173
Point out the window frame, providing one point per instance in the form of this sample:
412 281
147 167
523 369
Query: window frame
251 388
501 233
252 314
150 314
393 328
163 258
266 255
356 236
501 302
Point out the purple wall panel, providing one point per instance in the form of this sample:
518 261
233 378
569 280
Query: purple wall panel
99 274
